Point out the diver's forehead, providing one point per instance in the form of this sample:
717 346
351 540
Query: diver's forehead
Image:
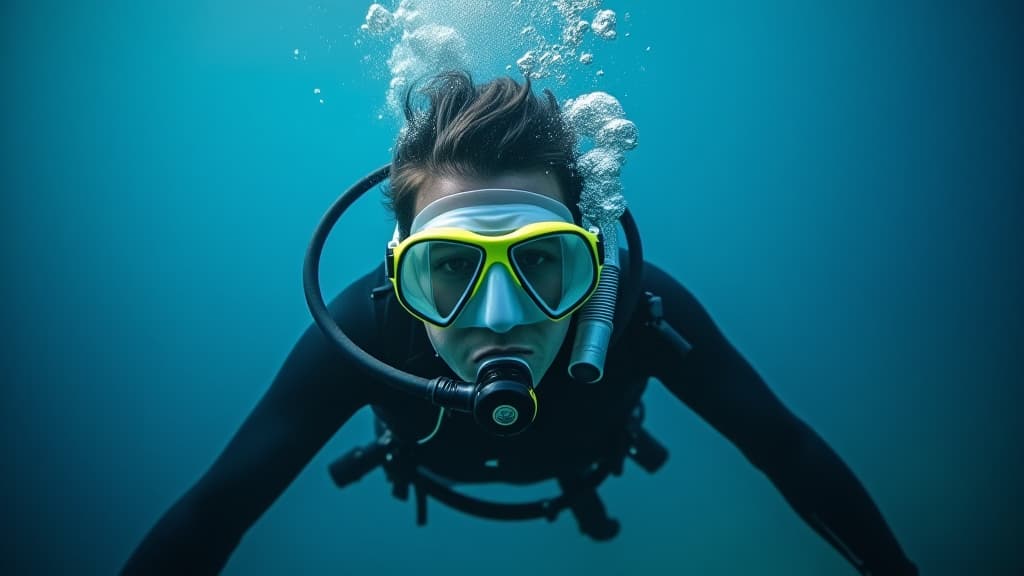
490 211
539 182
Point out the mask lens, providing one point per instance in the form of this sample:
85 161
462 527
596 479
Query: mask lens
436 276
558 269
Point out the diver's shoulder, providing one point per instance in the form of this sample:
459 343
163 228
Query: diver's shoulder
679 306
354 307
657 280
654 276
360 292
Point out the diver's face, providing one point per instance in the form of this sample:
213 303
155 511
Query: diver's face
463 348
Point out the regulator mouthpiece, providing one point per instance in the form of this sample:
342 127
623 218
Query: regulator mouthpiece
505 403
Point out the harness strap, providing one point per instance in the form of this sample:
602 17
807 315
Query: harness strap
579 491
588 509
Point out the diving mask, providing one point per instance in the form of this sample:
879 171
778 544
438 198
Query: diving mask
494 258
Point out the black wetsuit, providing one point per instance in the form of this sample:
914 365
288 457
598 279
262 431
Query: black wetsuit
317 390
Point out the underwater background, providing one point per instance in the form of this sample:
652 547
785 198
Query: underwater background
839 185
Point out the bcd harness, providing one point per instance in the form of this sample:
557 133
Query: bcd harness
579 488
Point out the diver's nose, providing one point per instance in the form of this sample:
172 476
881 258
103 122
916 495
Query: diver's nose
499 299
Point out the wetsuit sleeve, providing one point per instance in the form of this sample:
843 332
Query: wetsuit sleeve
313 394
723 389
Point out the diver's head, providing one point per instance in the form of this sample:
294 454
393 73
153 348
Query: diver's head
483 143
477 131
499 317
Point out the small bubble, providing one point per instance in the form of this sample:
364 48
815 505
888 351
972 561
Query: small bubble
600 72
321 100
527 62
316 90
378 20
604 24
648 49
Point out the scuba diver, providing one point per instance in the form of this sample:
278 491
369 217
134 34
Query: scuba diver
503 339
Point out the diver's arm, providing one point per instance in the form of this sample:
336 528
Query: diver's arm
312 395
722 387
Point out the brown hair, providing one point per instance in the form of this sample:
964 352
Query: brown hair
475 131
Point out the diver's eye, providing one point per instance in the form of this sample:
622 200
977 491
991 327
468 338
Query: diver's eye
527 258
532 258
456 266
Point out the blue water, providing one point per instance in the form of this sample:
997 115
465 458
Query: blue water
840 186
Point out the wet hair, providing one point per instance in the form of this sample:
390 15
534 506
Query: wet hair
479 131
